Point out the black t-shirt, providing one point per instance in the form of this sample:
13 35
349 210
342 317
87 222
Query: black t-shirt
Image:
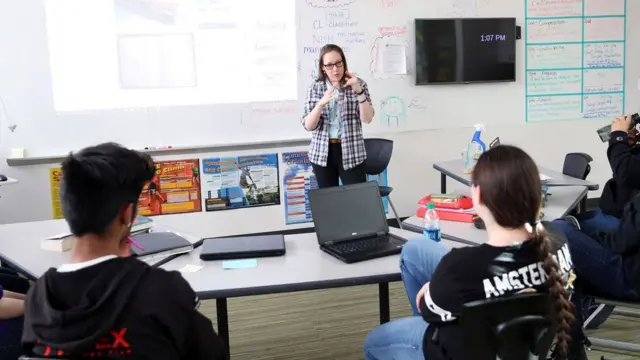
119 306
481 272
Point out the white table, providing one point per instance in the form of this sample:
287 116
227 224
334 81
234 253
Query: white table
455 170
560 203
304 267
20 245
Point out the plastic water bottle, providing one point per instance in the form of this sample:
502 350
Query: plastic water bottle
431 223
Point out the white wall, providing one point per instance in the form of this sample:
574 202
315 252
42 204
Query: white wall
410 172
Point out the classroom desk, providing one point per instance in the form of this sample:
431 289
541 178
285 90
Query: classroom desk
455 170
560 203
20 245
304 267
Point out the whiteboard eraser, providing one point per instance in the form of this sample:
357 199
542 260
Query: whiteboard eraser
17 153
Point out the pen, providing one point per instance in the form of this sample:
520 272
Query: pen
135 243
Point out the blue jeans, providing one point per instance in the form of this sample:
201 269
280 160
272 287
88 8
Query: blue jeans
593 221
598 268
10 336
402 338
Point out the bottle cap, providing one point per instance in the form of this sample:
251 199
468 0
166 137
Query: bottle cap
431 206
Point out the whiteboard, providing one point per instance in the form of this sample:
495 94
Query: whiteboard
361 27
575 59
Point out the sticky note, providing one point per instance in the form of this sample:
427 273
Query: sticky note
240 264
190 268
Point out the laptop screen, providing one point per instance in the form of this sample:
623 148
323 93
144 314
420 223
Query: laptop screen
347 212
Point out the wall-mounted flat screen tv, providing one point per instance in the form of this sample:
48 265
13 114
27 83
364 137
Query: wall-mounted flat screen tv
462 51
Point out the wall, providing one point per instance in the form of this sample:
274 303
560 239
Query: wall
410 172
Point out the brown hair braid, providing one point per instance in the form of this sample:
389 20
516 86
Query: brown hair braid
563 307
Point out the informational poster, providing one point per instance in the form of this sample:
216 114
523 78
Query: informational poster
174 189
299 180
55 177
240 181
575 59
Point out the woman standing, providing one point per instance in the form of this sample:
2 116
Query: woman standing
336 106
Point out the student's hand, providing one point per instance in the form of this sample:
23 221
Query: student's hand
622 123
352 81
327 96
420 296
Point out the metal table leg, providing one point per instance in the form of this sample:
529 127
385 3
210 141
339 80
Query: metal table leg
443 183
223 322
383 294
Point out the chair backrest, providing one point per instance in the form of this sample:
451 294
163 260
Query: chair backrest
520 327
378 155
577 165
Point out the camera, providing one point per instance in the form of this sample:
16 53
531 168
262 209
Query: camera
604 132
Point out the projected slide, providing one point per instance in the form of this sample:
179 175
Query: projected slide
112 54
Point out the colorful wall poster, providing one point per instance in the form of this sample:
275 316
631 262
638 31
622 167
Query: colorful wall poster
174 189
55 177
299 179
242 181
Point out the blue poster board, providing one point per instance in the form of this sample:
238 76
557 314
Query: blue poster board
298 179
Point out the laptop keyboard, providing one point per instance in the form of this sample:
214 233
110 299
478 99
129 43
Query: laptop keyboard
361 245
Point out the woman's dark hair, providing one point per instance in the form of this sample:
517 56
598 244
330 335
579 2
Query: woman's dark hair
510 188
327 49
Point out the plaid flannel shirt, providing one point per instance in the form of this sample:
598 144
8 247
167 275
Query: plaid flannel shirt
353 150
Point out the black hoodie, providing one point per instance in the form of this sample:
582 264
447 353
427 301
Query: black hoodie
117 308
625 183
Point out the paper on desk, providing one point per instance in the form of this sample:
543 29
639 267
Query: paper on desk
190 268
544 177
239 264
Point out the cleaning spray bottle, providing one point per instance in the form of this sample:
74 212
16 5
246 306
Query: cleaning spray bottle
475 148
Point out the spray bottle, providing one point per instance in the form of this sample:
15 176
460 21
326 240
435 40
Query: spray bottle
475 148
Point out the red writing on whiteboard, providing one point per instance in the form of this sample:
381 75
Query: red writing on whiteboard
392 30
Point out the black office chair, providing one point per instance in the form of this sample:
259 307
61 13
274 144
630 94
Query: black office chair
378 157
515 328
577 165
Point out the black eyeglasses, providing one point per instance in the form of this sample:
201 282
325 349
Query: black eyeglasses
330 66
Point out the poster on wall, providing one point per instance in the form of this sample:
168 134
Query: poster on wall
55 176
240 181
299 180
174 189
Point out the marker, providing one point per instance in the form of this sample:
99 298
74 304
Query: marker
164 147
135 243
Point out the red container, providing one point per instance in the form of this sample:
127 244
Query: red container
449 208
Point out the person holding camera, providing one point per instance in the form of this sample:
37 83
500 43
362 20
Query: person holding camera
602 231
624 159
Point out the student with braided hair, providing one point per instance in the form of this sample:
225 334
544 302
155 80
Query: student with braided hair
522 255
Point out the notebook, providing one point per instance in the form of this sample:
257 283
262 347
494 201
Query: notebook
141 223
159 245
61 242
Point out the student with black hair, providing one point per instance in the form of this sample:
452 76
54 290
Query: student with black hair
104 303
522 255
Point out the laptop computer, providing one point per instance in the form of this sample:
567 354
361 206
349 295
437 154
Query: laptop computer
351 224
242 247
